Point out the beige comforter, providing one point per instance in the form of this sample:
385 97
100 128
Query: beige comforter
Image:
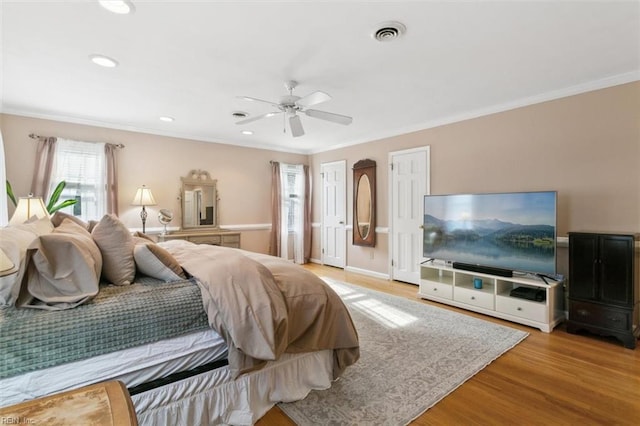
264 306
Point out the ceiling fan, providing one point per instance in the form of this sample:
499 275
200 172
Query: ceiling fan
290 105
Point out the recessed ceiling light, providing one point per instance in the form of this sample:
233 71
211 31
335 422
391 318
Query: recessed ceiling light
103 61
121 7
166 119
246 132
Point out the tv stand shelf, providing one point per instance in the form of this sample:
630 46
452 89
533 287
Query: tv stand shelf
455 287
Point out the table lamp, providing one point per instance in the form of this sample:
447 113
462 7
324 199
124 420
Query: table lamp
143 198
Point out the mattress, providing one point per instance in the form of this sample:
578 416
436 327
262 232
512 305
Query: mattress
133 366
119 317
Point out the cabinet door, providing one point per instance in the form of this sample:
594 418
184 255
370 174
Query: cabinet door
583 265
616 269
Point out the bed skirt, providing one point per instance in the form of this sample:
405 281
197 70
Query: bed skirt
215 398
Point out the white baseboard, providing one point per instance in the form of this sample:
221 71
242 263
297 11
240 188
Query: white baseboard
367 272
357 270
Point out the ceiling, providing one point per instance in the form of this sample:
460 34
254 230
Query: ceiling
191 60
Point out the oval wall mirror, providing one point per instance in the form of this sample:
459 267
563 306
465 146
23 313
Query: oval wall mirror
364 203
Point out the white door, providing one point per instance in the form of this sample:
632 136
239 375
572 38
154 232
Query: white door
409 183
334 213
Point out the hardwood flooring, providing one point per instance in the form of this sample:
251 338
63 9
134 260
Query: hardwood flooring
549 379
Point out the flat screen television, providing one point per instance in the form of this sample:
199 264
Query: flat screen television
508 231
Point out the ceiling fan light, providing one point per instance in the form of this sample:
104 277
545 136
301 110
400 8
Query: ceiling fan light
121 7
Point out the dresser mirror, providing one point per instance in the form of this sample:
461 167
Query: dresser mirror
199 200
364 203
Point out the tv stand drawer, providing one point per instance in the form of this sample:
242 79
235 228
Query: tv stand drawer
535 311
430 288
473 297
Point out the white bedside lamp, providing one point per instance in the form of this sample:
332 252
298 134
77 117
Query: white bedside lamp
27 208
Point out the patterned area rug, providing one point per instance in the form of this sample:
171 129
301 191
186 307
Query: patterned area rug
411 356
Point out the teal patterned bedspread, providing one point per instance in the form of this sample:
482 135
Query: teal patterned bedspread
119 317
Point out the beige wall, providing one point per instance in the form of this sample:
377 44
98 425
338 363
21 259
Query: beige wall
586 147
243 174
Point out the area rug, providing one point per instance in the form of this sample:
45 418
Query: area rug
411 356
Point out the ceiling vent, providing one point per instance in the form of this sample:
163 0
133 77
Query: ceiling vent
389 31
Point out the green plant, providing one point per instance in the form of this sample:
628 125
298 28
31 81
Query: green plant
52 207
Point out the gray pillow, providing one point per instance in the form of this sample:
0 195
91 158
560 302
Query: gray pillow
157 262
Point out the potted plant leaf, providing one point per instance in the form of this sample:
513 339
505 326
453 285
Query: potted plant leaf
52 207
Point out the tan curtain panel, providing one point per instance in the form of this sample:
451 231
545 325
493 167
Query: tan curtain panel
276 210
45 156
112 178
307 214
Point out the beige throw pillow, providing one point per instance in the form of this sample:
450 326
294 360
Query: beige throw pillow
14 241
156 262
63 269
58 217
116 245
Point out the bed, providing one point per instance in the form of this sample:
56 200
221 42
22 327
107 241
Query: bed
199 334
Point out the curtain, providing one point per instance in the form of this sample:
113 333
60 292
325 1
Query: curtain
111 177
291 212
276 210
45 156
4 214
307 214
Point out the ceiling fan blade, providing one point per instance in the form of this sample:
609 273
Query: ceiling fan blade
258 117
249 98
329 116
313 99
296 126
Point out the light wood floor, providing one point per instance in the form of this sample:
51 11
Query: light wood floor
549 379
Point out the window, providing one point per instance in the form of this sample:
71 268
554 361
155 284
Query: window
83 166
292 223
293 195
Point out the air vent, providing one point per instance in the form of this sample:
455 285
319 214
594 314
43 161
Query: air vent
389 31
239 114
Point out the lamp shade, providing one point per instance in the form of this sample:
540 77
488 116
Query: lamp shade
27 208
143 197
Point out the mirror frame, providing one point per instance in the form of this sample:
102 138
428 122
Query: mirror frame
367 168
200 178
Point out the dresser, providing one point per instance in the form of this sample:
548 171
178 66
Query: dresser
604 293
216 237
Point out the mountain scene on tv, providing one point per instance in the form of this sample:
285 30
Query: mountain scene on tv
491 242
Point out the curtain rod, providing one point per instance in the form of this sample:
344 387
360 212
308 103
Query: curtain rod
36 137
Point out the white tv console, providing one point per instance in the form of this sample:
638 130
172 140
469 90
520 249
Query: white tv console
444 284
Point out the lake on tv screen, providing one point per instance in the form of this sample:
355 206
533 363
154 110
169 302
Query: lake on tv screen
526 256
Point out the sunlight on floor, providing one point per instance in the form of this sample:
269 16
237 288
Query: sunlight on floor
378 311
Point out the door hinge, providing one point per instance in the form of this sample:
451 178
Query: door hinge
391 164
392 263
322 251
